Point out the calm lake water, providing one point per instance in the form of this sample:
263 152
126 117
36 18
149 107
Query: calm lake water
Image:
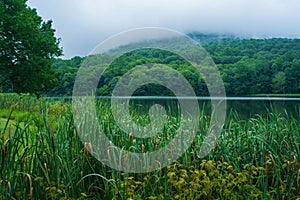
246 107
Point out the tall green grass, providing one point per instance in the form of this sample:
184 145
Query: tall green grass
44 158
23 102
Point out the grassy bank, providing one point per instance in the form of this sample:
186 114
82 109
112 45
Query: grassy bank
42 157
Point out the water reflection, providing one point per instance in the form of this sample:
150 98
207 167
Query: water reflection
245 107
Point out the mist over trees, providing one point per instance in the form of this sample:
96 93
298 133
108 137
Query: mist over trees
28 49
28 63
247 66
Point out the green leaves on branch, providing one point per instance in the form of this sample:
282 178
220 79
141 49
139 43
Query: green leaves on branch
27 47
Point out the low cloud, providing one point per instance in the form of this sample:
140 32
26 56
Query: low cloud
83 24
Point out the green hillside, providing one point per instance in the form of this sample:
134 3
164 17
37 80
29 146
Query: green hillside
247 66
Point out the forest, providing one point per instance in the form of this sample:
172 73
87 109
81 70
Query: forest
49 147
248 67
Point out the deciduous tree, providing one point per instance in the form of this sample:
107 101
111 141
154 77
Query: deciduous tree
27 47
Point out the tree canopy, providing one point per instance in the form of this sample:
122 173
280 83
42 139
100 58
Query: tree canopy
258 66
247 66
27 47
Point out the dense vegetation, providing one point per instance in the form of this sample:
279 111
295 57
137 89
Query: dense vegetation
258 66
42 157
27 47
247 66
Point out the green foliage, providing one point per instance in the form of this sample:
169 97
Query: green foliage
256 66
247 66
279 82
22 102
44 158
208 180
67 70
27 47
149 60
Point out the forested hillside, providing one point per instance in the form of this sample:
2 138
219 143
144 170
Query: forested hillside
248 67
258 66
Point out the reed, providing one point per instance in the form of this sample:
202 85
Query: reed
44 158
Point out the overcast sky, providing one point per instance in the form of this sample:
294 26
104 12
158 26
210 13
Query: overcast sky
83 24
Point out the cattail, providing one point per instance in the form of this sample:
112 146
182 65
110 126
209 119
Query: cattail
85 148
45 166
132 137
30 185
9 186
143 148
156 143
160 168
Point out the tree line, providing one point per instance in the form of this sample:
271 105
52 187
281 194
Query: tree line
258 66
247 67
29 61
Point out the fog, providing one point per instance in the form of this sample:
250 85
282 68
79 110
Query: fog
82 24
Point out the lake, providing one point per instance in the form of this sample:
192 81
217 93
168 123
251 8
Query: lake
246 107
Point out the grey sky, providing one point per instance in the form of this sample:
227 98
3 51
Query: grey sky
82 24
